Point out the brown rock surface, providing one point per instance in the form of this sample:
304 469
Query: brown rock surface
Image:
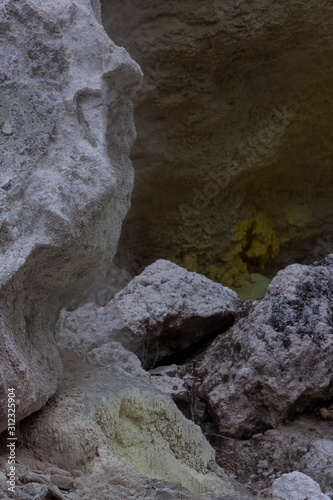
233 157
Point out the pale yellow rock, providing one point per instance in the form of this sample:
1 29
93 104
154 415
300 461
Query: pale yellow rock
106 412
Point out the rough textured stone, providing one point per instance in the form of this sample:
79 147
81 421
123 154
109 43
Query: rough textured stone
179 383
277 361
65 182
234 113
318 462
169 379
104 412
327 413
163 310
114 354
297 486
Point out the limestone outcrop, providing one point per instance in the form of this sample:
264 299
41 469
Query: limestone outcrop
234 134
161 312
66 129
277 361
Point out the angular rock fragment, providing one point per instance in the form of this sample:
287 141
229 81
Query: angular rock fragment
164 310
277 361
326 413
66 128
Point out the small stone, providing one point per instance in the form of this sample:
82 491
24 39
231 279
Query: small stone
56 471
78 483
260 334
36 490
303 449
326 413
268 472
263 464
76 473
63 482
7 128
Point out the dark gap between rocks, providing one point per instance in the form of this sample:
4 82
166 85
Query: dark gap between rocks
185 355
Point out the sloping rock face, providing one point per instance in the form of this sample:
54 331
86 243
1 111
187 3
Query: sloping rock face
161 312
277 361
66 129
234 134
105 415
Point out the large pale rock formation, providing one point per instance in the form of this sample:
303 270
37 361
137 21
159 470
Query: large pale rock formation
234 133
66 129
276 361
104 419
164 310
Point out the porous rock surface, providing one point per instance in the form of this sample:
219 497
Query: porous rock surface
106 415
163 310
276 361
66 129
297 486
234 112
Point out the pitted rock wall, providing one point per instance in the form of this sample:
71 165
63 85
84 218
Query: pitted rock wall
66 129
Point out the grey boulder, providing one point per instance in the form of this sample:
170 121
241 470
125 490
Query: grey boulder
277 361
162 311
